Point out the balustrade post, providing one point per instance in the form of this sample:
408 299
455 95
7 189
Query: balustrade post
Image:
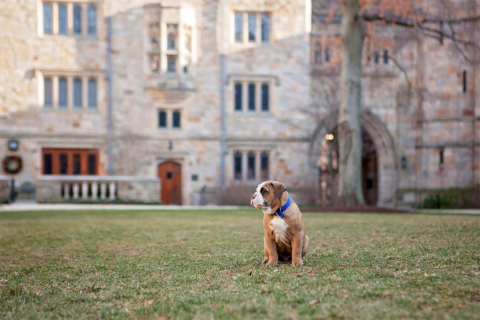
66 190
103 190
84 190
111 188
94 190
76 189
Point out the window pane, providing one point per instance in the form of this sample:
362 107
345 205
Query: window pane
92 20
162 119
252 26
238 27
251 97
48 92
385 56
63 159
62 93
171 64
92 164
238 96
62 19
265 97
47 18
77 20
317 53
237 165
264 166
376 57
265 18
172 33
327 55
47 164
77 164
176 119
92 93
251 166
77 93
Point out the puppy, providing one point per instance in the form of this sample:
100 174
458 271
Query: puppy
285 236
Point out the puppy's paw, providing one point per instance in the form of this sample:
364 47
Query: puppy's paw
270 262
297 263
265 261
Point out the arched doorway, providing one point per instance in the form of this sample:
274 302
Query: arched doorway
328 169
170 173
384 179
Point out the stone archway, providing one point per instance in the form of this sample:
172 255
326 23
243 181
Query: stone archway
384 152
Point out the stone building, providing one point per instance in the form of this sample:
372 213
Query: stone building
158 114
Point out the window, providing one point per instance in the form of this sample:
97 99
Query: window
77 20
62 19
238 27
376 57
317 54
77 93
63 160
92 20
464 81
92 93
171 64
252 173
48 90
47 18
264 166
70 161
265 97
385 56
441 158
327 55
92 164
62 93
172 34
238 96
251 97
176 119
237 165
154 63
251 166
252 34
265 19
77 164
69 18
47 164
252 27
162 119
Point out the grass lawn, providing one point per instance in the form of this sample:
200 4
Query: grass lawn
207 264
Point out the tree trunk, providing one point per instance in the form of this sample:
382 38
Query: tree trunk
349 129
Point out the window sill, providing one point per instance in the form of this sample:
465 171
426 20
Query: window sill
68 36
75 110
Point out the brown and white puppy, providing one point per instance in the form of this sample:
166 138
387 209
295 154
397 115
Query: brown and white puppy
285 238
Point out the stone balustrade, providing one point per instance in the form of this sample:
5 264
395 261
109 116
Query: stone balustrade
108 188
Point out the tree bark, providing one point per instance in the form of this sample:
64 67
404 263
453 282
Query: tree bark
349 129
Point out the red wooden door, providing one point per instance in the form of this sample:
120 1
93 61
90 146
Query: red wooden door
170 174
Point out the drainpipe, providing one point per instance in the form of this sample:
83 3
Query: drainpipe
110 89
223 148
223 126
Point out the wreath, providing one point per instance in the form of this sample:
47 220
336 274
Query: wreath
12 164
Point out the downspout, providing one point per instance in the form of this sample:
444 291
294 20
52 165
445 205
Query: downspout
110 89
223 126
222 99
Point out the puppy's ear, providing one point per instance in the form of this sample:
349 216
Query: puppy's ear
278 189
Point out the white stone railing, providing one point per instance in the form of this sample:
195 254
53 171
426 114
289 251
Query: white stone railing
97 188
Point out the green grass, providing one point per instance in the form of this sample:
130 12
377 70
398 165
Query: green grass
206 265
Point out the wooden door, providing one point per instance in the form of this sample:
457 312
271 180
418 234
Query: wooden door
170 174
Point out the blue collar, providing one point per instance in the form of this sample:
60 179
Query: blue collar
280 211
